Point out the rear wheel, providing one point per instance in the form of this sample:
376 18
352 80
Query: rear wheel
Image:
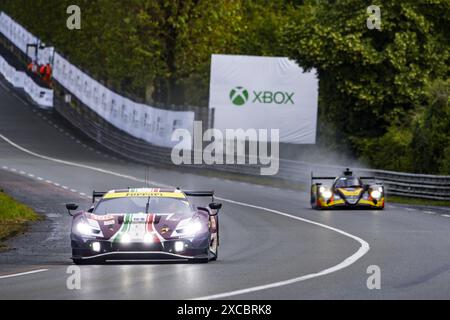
313 199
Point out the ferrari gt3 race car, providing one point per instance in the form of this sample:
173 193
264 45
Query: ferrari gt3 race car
145 224
346 191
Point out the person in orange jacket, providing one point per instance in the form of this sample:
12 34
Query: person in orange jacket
46 73
32 66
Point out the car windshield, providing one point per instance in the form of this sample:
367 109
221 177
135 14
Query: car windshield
347 182
139 204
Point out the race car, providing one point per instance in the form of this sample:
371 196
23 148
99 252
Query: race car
347 191
145 224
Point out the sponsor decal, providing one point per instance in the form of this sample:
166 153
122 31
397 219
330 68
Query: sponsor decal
112 195
240 96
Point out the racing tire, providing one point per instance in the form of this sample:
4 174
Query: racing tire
202 259
88 261
81 262
214 255
313 200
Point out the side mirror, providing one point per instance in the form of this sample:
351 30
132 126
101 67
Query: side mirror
70 207
215 206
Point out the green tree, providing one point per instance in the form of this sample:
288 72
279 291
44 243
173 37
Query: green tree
431 140
369 78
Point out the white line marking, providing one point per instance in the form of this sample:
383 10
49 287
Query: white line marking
22 172
429 212
363 249
82 194
23 101
79 165
13 170
40 179
5 167
64 187
446 215
22 273
410 209
73 190
30 175
48 181
347 262
56 184
5 87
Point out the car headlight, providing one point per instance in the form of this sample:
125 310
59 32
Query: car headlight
376 194
191 229
322 189
84 229
326 194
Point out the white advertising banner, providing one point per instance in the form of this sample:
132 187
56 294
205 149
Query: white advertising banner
251 92
145 122
16 33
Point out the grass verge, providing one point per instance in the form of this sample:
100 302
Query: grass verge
14 218
417 201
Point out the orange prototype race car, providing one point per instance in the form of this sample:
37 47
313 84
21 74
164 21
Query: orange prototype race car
347 191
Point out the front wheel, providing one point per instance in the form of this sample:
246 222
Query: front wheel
214 250
313 200
80 262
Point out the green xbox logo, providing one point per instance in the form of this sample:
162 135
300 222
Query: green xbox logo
239 96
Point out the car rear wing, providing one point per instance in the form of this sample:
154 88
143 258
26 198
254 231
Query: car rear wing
97 194
320 178
192 193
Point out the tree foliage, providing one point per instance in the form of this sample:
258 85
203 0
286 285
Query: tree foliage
369 78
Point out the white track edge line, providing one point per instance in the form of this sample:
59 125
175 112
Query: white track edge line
22 273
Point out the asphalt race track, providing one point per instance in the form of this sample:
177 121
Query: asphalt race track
273 246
